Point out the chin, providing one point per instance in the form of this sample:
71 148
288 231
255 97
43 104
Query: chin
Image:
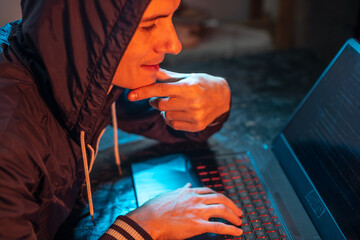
146 81
138 82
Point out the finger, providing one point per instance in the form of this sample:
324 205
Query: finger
155 90
188 185
197 119
168 104
170 122
221 228
185 126
182 124
203 190
163 75
167 122
222 211
222 199
179 116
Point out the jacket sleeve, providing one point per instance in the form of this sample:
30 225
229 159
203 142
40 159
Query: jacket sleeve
125 228
140 118
19 210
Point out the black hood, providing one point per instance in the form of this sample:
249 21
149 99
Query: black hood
72 48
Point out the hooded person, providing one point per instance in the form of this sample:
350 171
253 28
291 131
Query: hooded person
62 68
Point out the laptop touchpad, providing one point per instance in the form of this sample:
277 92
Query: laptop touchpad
158 175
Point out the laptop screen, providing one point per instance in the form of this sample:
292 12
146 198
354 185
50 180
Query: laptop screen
325 136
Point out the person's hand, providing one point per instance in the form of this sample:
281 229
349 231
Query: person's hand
185 212
188 102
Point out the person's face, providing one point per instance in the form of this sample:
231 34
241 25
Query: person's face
154 37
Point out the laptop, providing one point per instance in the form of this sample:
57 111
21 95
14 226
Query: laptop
306 185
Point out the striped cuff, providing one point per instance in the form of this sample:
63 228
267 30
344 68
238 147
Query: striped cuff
125 229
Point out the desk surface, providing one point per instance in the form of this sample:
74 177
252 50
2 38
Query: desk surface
266 89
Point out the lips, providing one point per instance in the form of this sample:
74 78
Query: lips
151 67
152 64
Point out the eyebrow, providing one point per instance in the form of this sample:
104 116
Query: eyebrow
153 18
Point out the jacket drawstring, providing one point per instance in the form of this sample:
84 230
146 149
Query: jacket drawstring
94 153
116 145
87 169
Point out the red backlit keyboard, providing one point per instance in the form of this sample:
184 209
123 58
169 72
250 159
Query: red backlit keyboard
236 178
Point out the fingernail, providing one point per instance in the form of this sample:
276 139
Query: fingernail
240 221
152 102
133 96
188 185
239 212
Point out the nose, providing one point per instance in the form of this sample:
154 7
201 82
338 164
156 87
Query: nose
170 42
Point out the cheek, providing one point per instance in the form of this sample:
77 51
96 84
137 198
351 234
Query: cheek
139 47
129 73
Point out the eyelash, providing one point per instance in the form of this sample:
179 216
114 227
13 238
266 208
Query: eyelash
149 28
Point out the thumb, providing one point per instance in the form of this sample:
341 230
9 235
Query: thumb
168 76
188 185
162 74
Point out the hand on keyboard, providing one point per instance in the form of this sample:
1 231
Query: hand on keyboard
185 212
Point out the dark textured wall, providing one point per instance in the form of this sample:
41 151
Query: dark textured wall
330 23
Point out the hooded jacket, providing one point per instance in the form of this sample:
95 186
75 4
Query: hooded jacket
56 66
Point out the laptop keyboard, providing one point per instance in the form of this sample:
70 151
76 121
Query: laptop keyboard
237 179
